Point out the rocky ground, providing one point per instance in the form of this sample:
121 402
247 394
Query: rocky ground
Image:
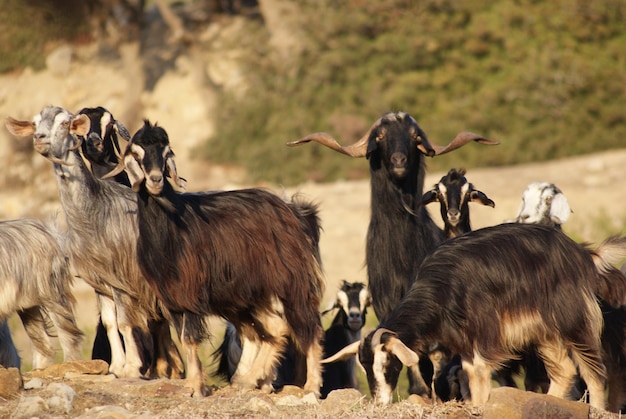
181 100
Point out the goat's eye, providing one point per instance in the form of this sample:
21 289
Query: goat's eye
548 199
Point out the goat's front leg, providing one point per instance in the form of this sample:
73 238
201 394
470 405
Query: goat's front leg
479 377
192 330
108 316
167 361
249 351
135 344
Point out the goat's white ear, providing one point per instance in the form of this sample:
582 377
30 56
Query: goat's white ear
19 128
560 209
80 125
403 352
345 353
179 182
132 167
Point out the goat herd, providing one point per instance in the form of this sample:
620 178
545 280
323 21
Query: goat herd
457 307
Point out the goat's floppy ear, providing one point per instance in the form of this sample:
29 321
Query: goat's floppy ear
19 128
399 349
179 182
345 353
132 167
481 198
80 125
560 209
121 130
429 197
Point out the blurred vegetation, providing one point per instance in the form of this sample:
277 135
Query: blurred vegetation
28 29
546 79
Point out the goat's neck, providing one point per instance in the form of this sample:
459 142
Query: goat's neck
458 230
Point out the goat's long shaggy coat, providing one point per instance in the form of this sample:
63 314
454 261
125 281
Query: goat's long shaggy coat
495 291
245 255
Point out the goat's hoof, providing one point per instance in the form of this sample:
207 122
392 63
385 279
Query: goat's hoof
203 391
267 388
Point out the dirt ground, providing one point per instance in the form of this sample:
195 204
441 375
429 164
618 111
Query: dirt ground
592 184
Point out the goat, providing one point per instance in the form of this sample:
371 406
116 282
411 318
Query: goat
243 255
36 283
401 232
101 148
454 193
491 292
101 235
352 300
9 358
543 203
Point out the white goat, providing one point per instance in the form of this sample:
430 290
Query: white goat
35 282
101 234
543 203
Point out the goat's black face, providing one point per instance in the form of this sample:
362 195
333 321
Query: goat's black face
354 299
381 367
397 139
151 151
454 195
99 142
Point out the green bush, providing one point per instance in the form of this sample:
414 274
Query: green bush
546 79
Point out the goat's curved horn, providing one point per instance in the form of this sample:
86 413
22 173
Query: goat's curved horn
378 334
79 141
116 170
460 140
345 353
357 149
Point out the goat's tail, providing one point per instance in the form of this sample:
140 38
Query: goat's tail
611 282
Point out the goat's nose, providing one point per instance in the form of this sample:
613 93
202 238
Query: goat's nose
38 136
398 159
156 178
524 217
355 315
453 212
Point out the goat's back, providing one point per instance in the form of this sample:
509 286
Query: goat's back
529 277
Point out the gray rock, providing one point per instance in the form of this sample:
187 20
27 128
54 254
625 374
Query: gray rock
29 407
33 383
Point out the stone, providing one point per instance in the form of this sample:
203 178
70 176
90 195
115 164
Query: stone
29 407
10 382
512 403
341 400
94 366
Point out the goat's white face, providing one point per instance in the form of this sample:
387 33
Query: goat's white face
53 131
543 203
